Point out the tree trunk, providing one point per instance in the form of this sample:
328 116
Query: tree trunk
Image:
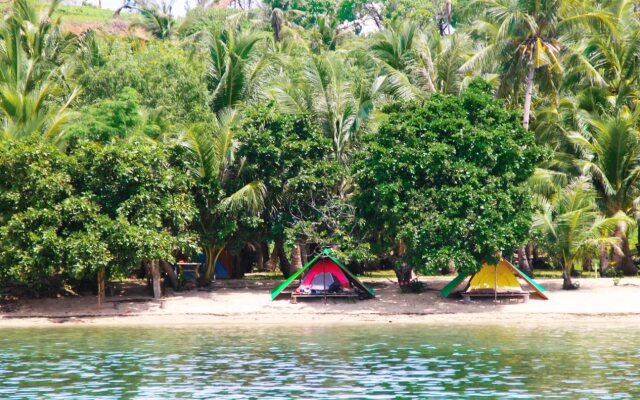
259 249
523 263
587 264
155 279
404 273
535 257
450 269
566 281
604 260
101 287
272 263
212 253
285 265
528 92
276 24
529 251
171 274
304 253
624 261
296 257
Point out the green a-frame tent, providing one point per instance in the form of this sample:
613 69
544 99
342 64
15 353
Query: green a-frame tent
325 255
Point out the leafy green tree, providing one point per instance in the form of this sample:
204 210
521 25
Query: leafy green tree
67 217
170 81
136 185
49 233
571 228
292 157
447 180
108 119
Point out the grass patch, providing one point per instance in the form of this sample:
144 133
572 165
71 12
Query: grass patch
556 273
80 14
385 273
83 14
263 276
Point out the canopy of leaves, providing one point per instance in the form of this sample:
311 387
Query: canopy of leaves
169 80
447 178
66 216
292 157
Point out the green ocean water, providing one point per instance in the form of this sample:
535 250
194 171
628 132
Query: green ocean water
321 362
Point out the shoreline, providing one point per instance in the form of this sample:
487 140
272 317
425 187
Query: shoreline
597 301
324 319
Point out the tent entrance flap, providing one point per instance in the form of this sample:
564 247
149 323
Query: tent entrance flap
322 281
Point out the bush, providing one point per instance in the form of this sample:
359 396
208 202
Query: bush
168 80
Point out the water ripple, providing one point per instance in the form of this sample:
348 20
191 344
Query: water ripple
376 362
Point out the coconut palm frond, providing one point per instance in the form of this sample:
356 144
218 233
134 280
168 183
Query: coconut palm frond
250 197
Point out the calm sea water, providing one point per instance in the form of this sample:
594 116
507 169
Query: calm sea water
369 361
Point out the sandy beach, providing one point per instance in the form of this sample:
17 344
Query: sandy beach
247 302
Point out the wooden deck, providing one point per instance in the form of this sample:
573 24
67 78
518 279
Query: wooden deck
466 296
351 296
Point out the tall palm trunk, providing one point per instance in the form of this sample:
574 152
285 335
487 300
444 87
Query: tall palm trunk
624 261
528 92
604 260
567 267
523 262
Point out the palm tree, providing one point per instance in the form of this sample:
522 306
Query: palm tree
326 92
403 54
33 63
614 55
610 153
214 165
529 38
157 21
417 63
238 67
571 228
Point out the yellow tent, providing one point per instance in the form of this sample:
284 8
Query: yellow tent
500 278
495 278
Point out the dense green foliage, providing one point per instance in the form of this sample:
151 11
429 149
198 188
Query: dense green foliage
64 216
403 128
169 80
448 178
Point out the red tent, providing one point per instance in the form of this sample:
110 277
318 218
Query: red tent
325 274
322 275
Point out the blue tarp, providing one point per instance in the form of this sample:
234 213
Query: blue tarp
221 271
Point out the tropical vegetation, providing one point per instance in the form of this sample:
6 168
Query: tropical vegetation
424 136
